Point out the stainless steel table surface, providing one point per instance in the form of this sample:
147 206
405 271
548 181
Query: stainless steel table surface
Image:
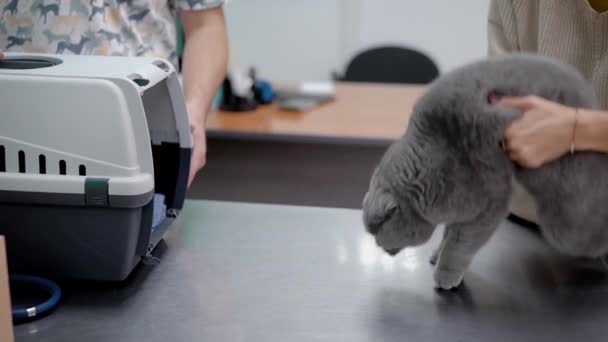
254 272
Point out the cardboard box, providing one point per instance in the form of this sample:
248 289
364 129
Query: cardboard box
6 321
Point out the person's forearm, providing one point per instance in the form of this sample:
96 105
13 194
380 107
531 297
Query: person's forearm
591 131
204 59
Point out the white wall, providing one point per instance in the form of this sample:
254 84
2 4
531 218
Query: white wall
284 39
306 40
451 32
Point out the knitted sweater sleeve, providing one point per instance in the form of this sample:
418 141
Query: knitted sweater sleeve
501 29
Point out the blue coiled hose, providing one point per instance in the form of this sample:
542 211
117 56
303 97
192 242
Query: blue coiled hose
48 285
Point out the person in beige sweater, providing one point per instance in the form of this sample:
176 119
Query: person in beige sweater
575 32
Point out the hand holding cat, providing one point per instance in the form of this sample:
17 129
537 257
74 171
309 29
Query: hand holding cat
544 133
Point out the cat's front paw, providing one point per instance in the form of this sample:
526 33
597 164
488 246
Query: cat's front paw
447 280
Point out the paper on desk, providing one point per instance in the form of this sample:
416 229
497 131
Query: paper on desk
317 88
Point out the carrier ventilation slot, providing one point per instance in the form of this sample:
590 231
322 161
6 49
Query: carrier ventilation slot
42 164
21 162
2 159
62 167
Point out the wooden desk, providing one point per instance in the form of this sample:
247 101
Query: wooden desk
322 157
360 111
6 321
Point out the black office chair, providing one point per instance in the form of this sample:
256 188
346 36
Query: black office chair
390 64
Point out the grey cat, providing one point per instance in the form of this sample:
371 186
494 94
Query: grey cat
450 168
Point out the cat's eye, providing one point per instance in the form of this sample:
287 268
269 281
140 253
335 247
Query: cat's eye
387 215
391 211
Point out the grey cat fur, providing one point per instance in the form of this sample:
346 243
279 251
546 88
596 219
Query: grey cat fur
449 168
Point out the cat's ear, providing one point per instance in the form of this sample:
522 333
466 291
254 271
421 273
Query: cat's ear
501 117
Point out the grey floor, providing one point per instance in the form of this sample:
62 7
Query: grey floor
252 272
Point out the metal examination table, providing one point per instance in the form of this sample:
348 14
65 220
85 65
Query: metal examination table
254 272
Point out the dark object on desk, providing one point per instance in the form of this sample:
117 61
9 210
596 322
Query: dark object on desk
263 92
390 64
235 103
260 92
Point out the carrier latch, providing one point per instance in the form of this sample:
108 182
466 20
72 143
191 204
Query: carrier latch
96 192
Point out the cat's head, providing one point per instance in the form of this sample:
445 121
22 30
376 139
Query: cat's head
393 222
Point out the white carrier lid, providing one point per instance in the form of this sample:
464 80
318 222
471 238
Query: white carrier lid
145 91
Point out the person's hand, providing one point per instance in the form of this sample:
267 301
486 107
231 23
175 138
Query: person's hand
199 140
542 134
